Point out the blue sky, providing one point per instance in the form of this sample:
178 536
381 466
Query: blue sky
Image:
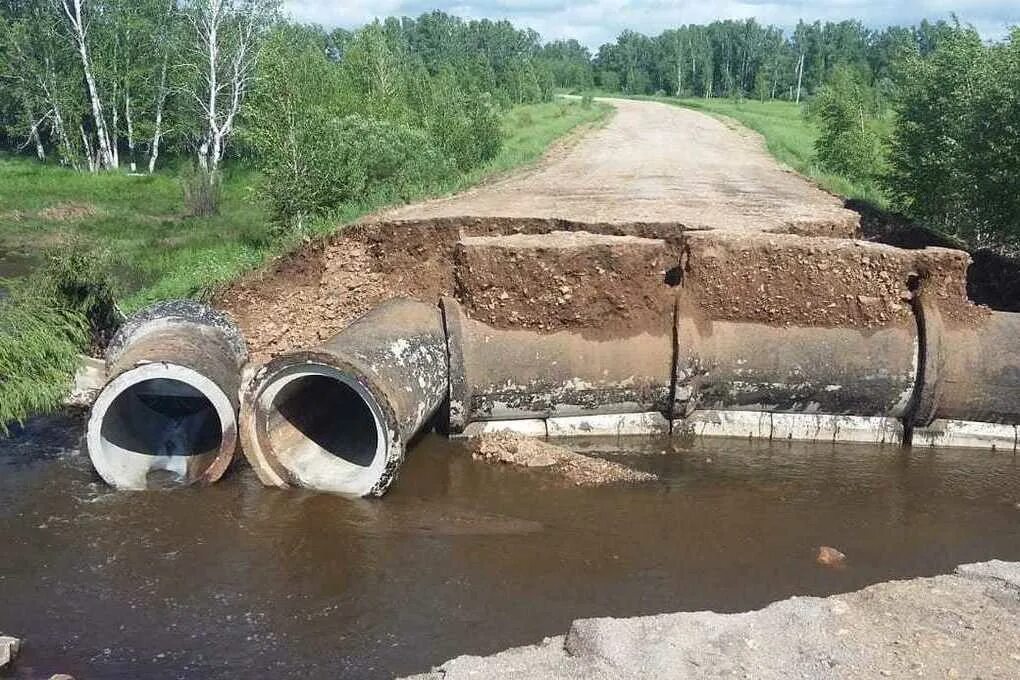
594 22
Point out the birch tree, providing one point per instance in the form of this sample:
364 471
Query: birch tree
227 36
78 25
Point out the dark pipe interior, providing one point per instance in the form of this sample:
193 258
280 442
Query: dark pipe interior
328 413
163 417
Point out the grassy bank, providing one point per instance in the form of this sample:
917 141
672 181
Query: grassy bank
137 224
157 252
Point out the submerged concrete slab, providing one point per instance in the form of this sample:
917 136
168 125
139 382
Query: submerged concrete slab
814 427
531 427
968 435
962 625
622 424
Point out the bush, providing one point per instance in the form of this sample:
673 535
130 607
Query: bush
844 109
465 126
202 192
955 148
346 160
78 278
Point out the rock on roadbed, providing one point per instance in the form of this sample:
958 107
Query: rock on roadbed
963 625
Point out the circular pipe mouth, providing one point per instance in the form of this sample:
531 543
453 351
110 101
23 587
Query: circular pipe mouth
323 427
160 425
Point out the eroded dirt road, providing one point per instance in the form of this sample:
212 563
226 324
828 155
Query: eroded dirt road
654 162
652 170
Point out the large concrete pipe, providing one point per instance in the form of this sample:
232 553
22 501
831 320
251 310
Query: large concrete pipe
970 367
168 413
338 418
734 366
498 374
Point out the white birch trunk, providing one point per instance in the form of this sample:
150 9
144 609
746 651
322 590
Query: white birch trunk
114 127
800 75
130 129
40 150
72 8
87 147
157 133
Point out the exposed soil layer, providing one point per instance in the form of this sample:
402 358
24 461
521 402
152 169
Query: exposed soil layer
555 275
566 280
654 162
515 449
783 279
993 279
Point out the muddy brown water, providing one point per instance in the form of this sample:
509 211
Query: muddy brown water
461 557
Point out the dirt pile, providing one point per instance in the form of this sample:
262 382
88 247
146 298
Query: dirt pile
515 449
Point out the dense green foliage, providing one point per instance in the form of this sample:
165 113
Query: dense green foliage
384 121
955 150
46 321
39 347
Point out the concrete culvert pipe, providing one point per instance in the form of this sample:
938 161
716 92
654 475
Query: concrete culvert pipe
970 368
501 374
338 418
168 414
737 366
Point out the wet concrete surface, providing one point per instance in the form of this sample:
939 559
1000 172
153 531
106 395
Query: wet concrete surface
461 556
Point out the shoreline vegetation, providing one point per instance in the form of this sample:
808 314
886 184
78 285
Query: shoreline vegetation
149 250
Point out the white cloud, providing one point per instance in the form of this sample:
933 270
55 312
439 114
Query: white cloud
594 22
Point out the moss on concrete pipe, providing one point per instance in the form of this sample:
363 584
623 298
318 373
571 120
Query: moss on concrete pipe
500 374
338 418
168 412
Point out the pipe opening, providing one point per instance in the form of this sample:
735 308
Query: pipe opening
162 417
313 414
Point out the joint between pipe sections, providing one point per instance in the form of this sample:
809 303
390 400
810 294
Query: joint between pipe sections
459 397
927 385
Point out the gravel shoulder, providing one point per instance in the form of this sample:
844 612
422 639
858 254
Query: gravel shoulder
963 625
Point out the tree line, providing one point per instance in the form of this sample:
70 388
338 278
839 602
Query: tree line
928 112
739 58
108 84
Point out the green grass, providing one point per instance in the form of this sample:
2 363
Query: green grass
160 253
